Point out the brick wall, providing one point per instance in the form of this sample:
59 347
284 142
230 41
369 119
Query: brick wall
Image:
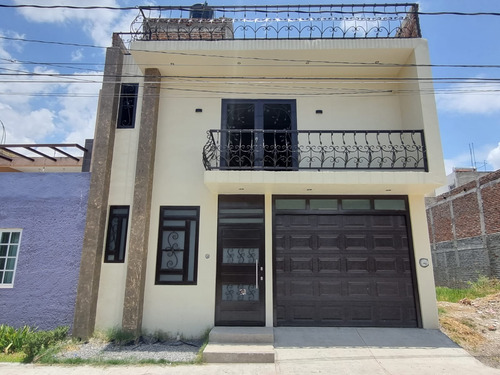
464 226
188 29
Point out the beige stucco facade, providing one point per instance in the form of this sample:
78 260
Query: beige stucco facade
326 75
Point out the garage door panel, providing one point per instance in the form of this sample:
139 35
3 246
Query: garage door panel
328 242
329 265
331 315
385 242
387 265
301 243
389 289
329 289
301 265
329 222
358 289
355 222
357 265
356 242
357 272
302 289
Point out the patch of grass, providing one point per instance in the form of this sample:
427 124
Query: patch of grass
120 337
468 322
441 311
199 356
38 342
27 344
18 357
481 288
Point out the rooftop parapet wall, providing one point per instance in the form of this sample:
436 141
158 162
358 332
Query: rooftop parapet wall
344 21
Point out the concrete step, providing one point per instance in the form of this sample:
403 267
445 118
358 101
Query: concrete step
242 335
238 353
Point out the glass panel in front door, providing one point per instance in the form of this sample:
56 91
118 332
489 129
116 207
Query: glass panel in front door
234 255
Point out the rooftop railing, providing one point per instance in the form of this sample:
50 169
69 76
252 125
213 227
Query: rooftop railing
207 22
288 150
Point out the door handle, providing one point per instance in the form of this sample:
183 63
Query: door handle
257 274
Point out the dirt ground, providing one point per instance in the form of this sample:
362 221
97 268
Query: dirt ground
474 325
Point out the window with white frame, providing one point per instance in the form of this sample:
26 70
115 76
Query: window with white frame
10 239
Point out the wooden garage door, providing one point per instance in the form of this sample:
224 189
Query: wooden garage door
343 270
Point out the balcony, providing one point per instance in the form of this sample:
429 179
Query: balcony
287 150
336 21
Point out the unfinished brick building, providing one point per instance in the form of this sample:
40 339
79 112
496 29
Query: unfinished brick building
464 228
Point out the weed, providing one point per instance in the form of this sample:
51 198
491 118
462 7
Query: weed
441 311
480 288
461 333
11 339
38 341
120 336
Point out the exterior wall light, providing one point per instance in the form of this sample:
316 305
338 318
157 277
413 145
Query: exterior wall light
424 262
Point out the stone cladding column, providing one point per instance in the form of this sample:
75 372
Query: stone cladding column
141 208
102 157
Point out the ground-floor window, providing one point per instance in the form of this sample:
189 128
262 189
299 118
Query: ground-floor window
177 258
10 239
117 234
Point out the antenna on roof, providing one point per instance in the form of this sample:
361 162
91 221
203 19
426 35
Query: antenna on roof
472 155
3 138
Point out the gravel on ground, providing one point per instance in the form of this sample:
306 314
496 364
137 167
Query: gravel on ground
98 350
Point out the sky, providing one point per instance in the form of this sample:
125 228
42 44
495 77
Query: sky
51 108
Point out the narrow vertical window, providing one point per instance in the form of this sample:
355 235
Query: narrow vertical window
177 259
117 234
128 104
9 249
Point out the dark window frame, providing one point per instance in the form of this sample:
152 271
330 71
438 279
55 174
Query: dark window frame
116 251
127 106
186 261
258 129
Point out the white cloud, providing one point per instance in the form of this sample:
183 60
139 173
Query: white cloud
6 43
494 157
77 55
78 111
470 97
99 24
26 126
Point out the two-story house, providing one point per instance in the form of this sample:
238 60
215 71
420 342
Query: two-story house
262 166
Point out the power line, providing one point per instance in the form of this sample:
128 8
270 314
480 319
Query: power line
304 61
98 7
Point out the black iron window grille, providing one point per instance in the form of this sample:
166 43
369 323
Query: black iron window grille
277 22
177 257
117 234
240 149
128 104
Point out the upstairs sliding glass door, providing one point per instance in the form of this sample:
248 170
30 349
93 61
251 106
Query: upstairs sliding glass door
259 134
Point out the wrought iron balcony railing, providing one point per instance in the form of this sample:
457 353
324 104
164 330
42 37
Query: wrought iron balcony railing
286 150
205 22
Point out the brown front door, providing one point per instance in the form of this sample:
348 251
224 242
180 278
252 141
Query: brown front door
240 293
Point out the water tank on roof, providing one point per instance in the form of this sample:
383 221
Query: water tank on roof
201 11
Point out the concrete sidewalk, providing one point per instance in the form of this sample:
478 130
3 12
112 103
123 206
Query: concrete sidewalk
302 351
